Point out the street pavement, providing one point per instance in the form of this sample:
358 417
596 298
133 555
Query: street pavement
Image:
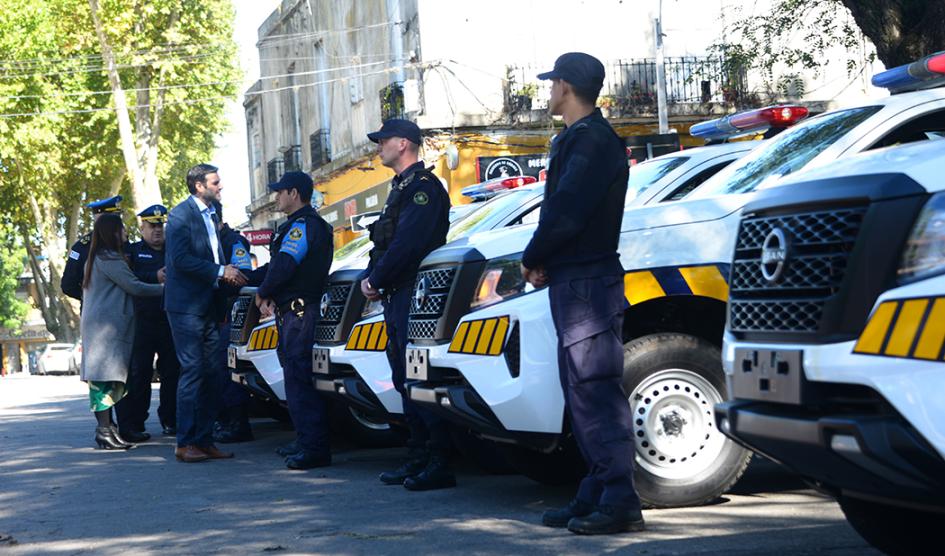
58 495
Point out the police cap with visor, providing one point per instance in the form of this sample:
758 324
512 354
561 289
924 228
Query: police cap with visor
295 180
155 214
105 205
579 69
397 128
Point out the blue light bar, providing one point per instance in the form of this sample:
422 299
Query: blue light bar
714 129
751 121
922 74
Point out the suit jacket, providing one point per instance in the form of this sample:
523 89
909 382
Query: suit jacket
191 271
108 318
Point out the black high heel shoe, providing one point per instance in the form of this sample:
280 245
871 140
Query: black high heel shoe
106 439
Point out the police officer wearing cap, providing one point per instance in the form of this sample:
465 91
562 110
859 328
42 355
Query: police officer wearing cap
72 275
574 252
414 222
294 281
233 417
152 337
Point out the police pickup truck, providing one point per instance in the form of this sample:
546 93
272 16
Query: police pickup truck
833 352
349 359
482 345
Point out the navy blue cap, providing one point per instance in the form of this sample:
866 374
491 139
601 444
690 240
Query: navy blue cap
154 214
105 205
294 180
579 69
397 128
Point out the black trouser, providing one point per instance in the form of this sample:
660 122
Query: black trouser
425 428
152 337
588 316
307 407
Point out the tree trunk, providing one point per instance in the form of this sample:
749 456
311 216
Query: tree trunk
902 30
60 316
142 196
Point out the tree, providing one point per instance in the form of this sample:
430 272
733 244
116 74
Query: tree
795 34
12 263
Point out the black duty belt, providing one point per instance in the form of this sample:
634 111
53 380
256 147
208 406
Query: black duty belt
296 306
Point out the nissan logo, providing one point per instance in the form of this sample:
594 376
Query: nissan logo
774 254
325 302
420 295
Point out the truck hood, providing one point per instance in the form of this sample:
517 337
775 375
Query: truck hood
682 212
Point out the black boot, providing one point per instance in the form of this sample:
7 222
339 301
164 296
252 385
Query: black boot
436 475
106 439
608 520
135 436
561 516
417 460
237 429
289 449
119 438
306 459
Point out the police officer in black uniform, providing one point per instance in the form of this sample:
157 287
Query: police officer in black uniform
574 250
233 418
295 279
414 222
74 272
152 337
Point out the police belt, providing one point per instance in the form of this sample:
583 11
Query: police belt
296 306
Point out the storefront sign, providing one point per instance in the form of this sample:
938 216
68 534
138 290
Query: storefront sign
491 167
258 237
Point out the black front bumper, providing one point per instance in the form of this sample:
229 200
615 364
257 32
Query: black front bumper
458 403
343 384
874 456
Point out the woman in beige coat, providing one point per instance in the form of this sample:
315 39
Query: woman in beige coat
108 320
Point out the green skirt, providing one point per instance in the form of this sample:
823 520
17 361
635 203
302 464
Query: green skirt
103 395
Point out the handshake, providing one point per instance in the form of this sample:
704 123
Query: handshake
233 276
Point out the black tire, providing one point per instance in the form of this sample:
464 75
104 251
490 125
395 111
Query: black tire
365 430
563 466
892 529
672 382
486 454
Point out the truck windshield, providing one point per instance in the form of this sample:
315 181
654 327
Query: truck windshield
491 213
645 174
785 154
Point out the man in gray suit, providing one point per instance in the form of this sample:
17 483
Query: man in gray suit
193 300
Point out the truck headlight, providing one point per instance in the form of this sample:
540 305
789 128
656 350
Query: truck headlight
501 280
372 308
924 253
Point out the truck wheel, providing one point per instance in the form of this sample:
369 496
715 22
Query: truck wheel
365 430
563 466
891 529
484 453
674 381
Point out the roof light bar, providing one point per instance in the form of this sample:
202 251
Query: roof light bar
922 74
753 121
492 187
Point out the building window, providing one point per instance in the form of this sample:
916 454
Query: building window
320 143
293 158
257 150
392 101
275 169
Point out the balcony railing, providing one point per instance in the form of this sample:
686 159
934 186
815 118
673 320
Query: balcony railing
293 158
274 169
630 85
320 148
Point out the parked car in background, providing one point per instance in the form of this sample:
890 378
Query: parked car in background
75 360
55 359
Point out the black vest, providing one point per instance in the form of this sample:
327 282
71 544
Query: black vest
309 277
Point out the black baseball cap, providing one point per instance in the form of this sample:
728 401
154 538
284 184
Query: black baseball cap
295 180
397 128
579 69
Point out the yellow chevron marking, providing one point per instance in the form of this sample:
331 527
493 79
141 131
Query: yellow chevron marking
473 335
933 334
641 286
485 337
382 341
365 336
907 323
457 344
271 338
375 332
275 337
499 336
353 339
706 281
871 340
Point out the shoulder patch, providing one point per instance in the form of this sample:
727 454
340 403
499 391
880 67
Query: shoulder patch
295 233
74 255
421 198
295 244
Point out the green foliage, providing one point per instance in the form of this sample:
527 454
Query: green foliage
791 36
12 263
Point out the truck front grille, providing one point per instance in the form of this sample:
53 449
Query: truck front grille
338 295
430 295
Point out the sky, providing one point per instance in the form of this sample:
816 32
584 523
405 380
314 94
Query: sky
231 156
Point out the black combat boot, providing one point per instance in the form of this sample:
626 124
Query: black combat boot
417 460
437 474
608 520
561 516
289 449
305 459
237 429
